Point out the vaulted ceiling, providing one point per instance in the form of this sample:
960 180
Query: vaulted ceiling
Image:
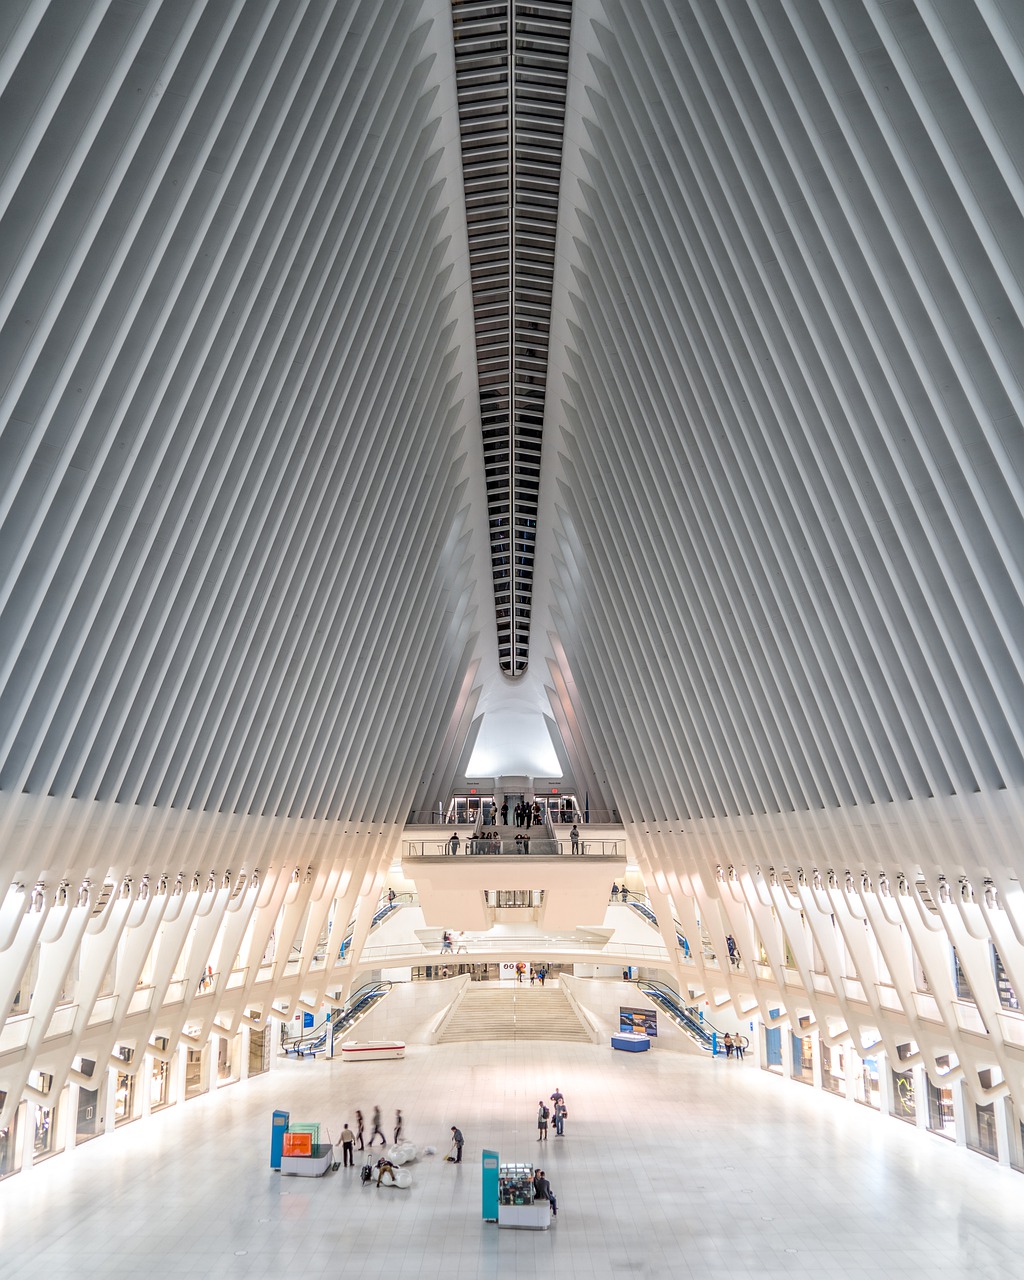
774 605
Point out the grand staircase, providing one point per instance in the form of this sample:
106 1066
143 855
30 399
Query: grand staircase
516 1013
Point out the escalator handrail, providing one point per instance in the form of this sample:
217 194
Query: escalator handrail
645 910
369 991
673 1001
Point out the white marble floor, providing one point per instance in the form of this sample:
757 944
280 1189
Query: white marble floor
672 1166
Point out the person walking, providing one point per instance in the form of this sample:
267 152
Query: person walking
738 1045
543 1115
359 1130
574 839
377 1129
454 842
391 896
615 891
727 1041
398 1127
347 1140
459 1142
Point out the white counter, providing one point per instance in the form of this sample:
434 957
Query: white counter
527 1217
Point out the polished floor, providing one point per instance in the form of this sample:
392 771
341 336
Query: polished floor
672 1166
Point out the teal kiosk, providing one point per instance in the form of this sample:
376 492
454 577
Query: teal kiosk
489 1161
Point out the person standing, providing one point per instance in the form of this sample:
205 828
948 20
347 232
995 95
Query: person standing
561 1111
359 1130
574 838
459 1142
453 843
347 1140
398 1127
391 896
504 813
542 1122
377 1129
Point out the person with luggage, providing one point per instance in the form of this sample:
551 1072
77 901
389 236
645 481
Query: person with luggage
543 1114
347 1145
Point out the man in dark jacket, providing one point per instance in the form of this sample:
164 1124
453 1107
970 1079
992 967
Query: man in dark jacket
542 1191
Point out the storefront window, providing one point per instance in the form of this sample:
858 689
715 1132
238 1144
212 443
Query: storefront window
1007 995
803 1059
904 1101
866 1083
773 1045
88 1120
988 1143
159 1084
8 1143
833 1075
44 1141
941 1119
194 1073
963 987
259 1052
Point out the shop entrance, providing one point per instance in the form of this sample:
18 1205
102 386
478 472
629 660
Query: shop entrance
88 1122
194 1073
259 1052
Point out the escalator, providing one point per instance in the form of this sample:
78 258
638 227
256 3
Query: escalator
359 1005
686 1018
642 909
338 1021
379 916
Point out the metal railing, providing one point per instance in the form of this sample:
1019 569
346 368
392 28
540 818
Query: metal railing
539 846
515 947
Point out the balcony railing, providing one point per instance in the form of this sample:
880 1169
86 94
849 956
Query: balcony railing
540 846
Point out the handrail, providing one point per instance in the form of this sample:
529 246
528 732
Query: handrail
482 847
699 1029
516 946
644 909
359 1004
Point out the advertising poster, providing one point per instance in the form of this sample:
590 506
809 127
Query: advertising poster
644 1021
